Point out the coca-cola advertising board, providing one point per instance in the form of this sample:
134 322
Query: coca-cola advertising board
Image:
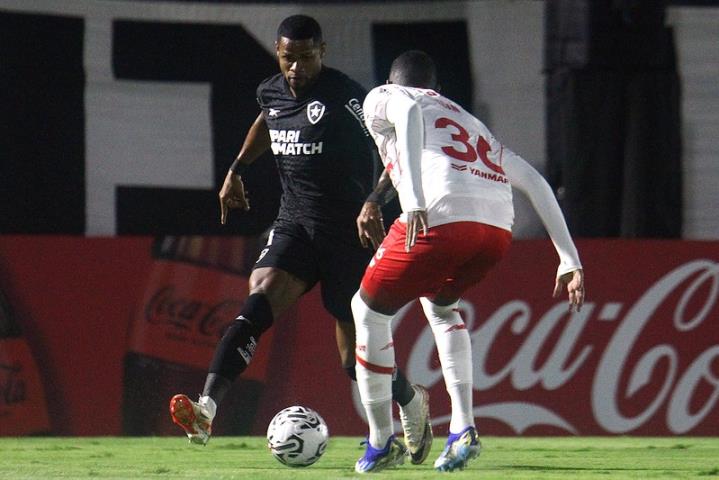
640 358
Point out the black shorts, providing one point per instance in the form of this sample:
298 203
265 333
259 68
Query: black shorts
336 260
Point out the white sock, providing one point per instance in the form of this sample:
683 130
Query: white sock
375 364
455 354
209 406
462 416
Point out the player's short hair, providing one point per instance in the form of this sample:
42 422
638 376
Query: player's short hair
414 68
300 27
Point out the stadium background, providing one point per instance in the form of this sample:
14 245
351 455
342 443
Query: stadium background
119 120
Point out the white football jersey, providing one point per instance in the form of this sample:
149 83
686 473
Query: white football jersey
462 175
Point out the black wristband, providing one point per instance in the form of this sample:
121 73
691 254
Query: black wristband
375 197
382 197
238 167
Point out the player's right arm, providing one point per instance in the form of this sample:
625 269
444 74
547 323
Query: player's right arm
406 116
370 224
232 193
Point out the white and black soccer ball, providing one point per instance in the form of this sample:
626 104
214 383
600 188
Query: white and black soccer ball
297 436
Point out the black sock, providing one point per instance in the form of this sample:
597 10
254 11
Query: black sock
216 386
237 346
351 372
402 391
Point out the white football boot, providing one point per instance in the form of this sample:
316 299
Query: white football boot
417 425
459 450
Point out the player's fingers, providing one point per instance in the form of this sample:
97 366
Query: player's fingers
378 239
408 236
237 201
412 236
376 232
558 284
363 238
579 298
223 212
233 203
574 299
374 237
247 200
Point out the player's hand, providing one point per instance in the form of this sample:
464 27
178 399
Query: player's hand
232 195
370 225
574 281
416 220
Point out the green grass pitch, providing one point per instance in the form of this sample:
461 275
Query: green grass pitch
503 458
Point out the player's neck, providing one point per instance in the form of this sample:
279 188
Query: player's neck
298 93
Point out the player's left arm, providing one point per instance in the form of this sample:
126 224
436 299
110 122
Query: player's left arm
570 274
406 116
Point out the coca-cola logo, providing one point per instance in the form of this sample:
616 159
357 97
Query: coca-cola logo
12 386
193 315
633 357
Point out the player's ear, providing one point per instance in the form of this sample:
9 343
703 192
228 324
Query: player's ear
323 49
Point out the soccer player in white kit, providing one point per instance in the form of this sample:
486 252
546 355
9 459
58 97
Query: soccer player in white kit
454 182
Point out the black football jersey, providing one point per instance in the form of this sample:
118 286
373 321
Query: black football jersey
326 159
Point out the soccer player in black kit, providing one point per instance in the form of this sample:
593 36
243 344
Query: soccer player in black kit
312 120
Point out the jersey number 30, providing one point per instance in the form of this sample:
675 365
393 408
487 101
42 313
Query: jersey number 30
470 153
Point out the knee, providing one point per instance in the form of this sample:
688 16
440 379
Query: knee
362 313
359 308
439 314
256 314
438 310
280 288
368 320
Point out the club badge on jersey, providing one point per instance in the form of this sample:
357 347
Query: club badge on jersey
315 110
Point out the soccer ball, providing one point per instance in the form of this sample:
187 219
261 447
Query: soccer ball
297 436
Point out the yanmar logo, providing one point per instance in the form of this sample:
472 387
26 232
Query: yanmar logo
493 177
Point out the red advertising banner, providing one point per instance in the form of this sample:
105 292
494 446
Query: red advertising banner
23 409
641 358
177 324
73 298
183 312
